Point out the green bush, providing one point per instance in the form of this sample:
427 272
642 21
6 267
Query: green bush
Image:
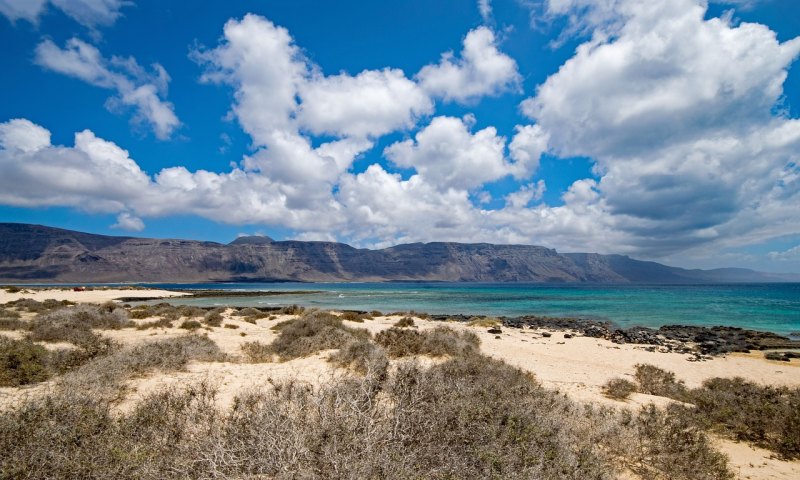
768 416
437 342
22 362
312 333
190 325
619 388
657 381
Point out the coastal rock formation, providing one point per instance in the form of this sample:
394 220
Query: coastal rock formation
34 253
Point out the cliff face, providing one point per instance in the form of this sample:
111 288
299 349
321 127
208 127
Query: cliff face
34 253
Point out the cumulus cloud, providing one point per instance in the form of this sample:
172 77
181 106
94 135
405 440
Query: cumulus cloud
481 70
126 221
134 87
373 103
447 154
20 134
677 112
94 175
89 13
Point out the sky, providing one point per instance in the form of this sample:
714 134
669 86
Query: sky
666 130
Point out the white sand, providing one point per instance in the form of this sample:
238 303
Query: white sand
97 295
579 366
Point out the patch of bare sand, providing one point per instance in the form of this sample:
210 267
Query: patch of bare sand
232 379
749 462
100 295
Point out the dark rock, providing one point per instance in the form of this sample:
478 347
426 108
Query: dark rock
547 334
568 335
495 330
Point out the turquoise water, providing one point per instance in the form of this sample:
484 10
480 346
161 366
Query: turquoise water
768 307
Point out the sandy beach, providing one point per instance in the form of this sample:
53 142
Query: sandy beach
577 366
90 295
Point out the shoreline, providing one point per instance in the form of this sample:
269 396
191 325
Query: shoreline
702 342
573 357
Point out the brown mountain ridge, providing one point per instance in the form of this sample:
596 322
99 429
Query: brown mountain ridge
36 253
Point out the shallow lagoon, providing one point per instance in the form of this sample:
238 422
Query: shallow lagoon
767 307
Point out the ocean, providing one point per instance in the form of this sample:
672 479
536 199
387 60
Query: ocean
766 307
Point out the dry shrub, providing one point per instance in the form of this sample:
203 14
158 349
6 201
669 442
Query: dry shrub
291 310
190 325
657 381
668 445
191 312
469 417
171 354
768 416
6 313
11 288
404 322
7 323
160 323
437 342
362 356
312 333
484 322
231 325
251 314
32 306
163 310
257 352
357 317
375 314
75 324
619 388
213 318
22 362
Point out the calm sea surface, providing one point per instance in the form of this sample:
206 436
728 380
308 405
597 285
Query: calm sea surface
769 307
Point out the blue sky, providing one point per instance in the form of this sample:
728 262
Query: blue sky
665 130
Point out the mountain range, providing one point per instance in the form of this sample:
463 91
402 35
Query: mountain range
36 253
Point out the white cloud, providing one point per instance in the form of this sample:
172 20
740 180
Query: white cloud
89 13
481 70
92 13
525 195
372 103
677 112
126 221
22 9
485 9
526 149
22 135
133 85
94 175
789 255
448 155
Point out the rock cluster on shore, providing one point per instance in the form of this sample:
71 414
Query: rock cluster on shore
700 342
